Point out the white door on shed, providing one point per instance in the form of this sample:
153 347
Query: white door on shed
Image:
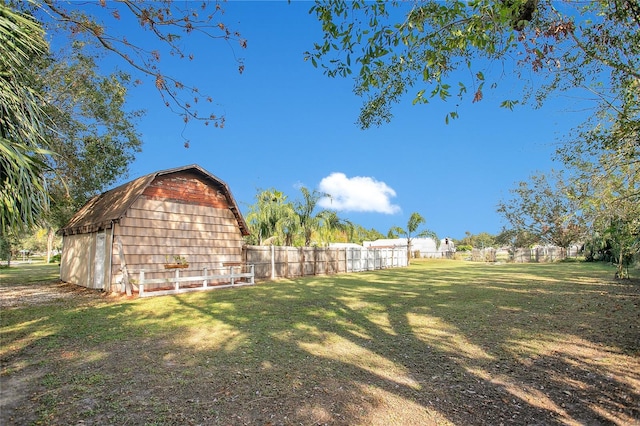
98 270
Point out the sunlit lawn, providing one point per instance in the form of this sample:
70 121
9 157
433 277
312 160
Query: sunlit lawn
438 342
25 273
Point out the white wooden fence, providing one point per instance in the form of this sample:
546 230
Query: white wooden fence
523 255
370 259
182 282
273 262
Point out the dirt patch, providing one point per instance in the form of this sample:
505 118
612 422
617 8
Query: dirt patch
34 294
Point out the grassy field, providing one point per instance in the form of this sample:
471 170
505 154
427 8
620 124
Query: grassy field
440 342
27 273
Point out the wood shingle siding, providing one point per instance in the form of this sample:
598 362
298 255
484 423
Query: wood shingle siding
185 212
186 188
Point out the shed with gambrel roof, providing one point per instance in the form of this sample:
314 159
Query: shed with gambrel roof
184 212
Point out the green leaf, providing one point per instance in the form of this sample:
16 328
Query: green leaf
509 104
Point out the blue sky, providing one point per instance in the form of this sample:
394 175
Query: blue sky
288 125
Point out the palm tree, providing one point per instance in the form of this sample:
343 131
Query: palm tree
330 223
274 219
267 215
23 193
289 225
305 208
412 226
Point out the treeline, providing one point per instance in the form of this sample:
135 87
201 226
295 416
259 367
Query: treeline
594 203
274 219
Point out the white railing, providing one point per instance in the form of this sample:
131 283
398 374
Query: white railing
222 278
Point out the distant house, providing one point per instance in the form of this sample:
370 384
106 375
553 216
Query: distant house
424 247
184 215
344 245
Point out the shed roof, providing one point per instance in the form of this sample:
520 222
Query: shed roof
104 209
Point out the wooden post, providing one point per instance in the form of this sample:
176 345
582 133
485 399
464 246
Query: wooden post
253 274
273 262
205 282
327 260
346 259
286 262
315 261
177 283
231 274
141 287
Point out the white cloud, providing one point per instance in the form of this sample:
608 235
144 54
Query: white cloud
357 194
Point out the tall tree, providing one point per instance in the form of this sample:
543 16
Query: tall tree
94 135
361 234
608 186
481 240
412 231
23 191
546 207
335 229
309 220
275 220
426 48
8 245
270 217
162 27
94 138
514 239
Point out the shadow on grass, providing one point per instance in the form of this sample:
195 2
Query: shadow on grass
430 344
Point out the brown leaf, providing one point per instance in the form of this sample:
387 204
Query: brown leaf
478 96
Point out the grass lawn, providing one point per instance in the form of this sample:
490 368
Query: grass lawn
27 273
439 342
